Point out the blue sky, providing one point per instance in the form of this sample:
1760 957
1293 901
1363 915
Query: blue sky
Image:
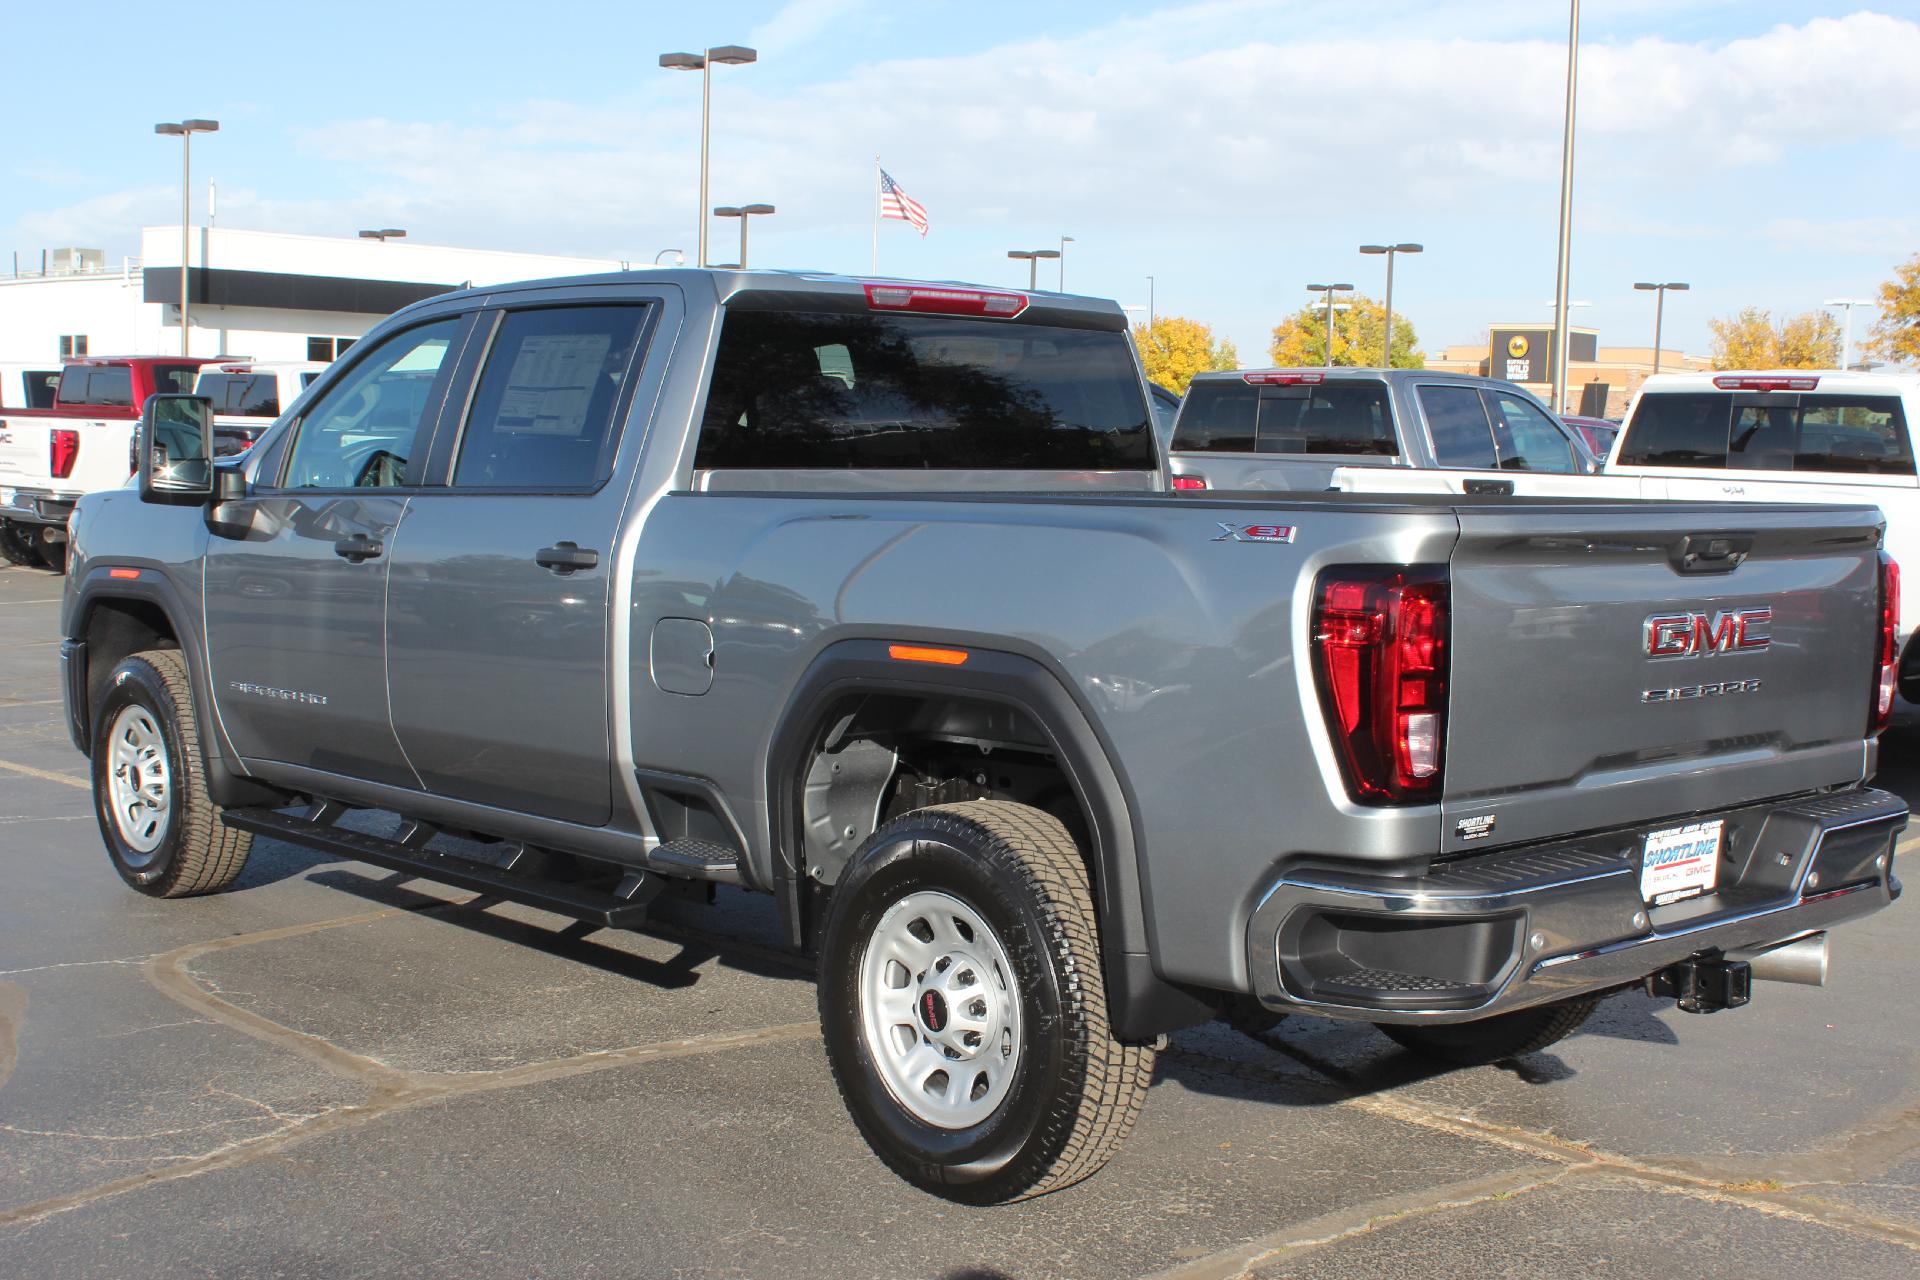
1234 149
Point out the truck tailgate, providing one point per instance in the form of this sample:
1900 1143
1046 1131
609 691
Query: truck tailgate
1600 679
23 449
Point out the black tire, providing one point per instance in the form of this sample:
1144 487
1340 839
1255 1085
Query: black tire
194 851
1495 1039
15 548
51 546
1074 1091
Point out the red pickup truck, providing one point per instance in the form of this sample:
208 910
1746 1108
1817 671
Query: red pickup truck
50 456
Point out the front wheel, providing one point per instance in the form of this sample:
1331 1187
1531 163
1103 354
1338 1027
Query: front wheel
161 828
964 1009
1495 1039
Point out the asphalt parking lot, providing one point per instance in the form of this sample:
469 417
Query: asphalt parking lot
330 1071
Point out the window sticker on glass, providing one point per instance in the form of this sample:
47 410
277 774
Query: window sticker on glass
551 381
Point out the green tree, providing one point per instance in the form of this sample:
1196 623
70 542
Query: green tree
1301 339
1751 340
1175 348
1895 335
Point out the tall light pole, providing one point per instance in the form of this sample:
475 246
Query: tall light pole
1149 304
1386 358
184 130
1560 331
1064 242
1659 311
1032 257
1846 332
746 213
729 55
1329 290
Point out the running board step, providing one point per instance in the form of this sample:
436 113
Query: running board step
696 860
622 908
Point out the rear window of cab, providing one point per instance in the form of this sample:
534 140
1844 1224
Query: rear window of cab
1770 431
1230 415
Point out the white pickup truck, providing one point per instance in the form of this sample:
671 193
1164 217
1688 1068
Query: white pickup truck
1785 435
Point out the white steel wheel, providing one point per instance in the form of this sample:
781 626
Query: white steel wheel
940 1008
139 783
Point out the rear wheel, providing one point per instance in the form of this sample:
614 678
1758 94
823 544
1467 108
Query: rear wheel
16 547
162 830
964 1009
1495 1039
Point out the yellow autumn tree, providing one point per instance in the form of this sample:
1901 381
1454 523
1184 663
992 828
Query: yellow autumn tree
1751 340
1175 348
1895 335
1301 339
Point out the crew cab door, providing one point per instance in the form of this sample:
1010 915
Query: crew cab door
500 601
296 584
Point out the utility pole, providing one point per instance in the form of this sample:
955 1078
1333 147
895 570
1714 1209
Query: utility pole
1561 334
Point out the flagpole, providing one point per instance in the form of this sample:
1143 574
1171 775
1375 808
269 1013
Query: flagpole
874 268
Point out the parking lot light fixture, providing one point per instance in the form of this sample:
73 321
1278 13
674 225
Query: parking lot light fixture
1390 250
727 55
1846 333
1064 242
184 130
384 234
746 213
1660 292
1032 257
1329 290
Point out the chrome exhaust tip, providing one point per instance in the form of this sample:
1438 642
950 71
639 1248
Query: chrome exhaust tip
1802 961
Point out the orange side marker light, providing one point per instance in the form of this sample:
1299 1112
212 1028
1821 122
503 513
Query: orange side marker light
923 653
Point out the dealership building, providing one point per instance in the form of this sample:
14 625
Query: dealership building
1600 380
258 294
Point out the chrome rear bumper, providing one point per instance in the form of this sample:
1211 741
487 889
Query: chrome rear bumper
1514 928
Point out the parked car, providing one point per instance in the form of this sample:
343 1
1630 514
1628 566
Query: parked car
1294 429
77 444
1599 433
1786 435
871 596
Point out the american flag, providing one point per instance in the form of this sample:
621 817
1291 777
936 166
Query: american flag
895 203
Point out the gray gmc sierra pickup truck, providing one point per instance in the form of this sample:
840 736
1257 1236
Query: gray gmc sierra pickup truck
873 596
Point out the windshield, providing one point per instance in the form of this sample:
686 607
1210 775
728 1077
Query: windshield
1769 431
794 389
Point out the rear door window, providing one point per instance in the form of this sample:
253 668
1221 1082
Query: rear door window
42 384
1528 439
820 390
1462 437
544 410
1753 431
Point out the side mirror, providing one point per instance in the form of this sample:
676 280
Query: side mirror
175 449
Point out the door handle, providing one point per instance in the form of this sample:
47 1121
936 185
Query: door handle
565 558
1502 488
358 548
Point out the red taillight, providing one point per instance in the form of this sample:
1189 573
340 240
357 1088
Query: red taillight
1766 384
1380 658
944 302
1189 483
1283 379
63 444
1887 671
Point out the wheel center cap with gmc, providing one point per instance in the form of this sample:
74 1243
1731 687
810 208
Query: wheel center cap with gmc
933 1010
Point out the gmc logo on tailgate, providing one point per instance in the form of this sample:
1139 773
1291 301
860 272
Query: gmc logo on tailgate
1694 635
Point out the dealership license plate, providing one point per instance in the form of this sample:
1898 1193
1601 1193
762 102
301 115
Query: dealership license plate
1680 862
